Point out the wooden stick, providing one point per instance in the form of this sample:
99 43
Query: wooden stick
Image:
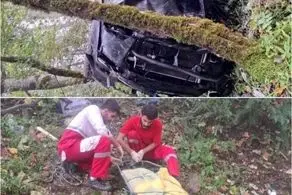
46 133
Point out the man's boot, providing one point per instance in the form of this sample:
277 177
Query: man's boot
99 185
69 167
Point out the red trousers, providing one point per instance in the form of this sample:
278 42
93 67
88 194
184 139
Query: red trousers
91 154
161 152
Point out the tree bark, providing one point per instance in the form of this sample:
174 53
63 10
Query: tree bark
37 82
36 64
189 30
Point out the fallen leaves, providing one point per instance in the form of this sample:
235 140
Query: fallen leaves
12 151
33 159
245 137
37 136
279 90
223 189
266 156
4 153
209 130
216 148
240 142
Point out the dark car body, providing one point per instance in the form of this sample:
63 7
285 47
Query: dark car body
156 65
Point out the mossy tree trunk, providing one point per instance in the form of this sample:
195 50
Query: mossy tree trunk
189 30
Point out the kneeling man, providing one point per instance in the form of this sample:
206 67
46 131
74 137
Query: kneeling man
143 139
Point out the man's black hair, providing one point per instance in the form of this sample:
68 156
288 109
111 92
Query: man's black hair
111 105
150 111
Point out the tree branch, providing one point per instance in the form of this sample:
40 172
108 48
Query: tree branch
36 64
17 107
37 82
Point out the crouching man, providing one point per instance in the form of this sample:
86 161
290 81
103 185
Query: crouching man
143 139
87 142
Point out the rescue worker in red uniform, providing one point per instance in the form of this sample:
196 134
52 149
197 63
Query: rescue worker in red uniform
140 136
87 142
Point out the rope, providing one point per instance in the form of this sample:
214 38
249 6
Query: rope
62 177
60 86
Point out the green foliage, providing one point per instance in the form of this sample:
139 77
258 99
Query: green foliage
10 19
16 165
6 126
196 149
42 41
198 153
19 170
272 23
270 114
12 125
12 184
277 45
18 41
281 116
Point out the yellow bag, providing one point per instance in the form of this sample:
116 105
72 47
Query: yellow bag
170 184
143 181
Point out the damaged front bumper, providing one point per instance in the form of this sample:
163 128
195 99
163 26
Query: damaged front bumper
155 65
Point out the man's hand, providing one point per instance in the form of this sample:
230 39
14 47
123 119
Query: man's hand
121 152
135 156
141 154
116 144
123 143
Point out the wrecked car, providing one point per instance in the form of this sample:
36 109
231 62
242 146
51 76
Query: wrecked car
154 65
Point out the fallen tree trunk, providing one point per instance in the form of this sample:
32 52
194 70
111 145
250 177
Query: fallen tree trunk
37 82
189 30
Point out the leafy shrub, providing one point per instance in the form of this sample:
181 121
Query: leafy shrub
12 184
271 114
271 20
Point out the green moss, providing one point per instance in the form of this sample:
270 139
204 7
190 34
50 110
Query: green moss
264 68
